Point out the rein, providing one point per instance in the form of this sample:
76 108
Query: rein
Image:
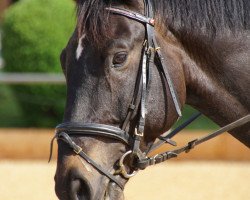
142 164
150 52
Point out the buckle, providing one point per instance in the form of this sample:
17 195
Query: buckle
191 145
138 133
77 149
157 48
155 157
131 106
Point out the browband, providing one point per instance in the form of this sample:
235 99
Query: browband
132 15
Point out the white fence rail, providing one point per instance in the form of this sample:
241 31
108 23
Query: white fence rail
31 78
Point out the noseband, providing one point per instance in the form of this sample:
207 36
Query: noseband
150 53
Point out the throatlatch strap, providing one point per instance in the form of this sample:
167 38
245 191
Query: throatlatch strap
167 77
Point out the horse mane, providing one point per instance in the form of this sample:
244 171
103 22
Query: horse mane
207 16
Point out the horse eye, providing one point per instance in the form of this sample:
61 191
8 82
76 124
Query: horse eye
119 59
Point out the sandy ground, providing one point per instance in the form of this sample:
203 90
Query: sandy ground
33 180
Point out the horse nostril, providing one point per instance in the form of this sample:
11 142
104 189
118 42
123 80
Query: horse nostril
80 189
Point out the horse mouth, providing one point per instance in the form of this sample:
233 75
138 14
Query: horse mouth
113 192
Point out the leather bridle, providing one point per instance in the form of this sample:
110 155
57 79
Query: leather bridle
150 53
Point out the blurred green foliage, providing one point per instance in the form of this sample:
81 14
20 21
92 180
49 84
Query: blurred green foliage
10 112
34 33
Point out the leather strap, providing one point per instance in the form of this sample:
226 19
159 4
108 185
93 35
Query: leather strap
94 129
139 132
146 65
132 15
133 107
148 7
166 75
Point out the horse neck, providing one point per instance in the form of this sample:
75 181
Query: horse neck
216 80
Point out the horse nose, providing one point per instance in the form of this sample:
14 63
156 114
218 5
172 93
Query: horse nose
80 189
74 186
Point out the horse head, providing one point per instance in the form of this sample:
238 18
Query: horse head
107 87
128 76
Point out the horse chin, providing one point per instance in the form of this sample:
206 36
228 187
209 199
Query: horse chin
113 192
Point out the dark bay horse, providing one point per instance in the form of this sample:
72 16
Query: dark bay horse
206 51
